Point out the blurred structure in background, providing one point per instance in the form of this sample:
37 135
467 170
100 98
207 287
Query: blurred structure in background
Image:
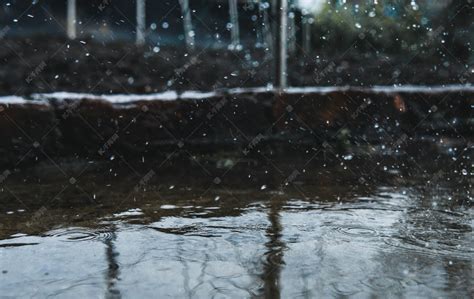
222 22
188 26
141 22
336 42
71 19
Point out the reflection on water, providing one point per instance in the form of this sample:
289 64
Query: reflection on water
274 255
386 244
322 231
113 266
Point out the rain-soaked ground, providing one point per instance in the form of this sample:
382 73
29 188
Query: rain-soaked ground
352 225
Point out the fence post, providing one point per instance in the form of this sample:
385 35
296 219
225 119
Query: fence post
188 25
306 32
141 22
71 19
267 32
280 42
292 33
259 27
234 21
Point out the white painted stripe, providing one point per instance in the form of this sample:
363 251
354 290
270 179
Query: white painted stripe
172 95
16 100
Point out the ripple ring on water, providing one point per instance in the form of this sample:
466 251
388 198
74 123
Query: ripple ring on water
357 231
81 234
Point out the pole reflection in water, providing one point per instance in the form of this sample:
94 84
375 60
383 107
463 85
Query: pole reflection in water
113 270
274 254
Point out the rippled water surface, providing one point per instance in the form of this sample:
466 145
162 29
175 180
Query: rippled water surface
403 240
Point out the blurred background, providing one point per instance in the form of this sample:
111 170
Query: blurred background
206 45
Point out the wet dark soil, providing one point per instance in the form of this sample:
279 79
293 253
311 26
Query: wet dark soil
45 64
248 123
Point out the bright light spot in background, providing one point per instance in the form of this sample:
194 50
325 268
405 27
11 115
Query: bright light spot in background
312 6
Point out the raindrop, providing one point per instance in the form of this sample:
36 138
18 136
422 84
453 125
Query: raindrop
348 157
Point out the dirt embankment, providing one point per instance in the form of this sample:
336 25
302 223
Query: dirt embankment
247 122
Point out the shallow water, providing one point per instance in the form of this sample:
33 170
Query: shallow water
327 230
395 243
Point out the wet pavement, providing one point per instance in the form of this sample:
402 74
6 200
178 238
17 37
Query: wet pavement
322 231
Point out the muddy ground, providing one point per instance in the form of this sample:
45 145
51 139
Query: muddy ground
248 123
45 64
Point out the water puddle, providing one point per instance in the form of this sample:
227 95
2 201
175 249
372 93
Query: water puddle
385 244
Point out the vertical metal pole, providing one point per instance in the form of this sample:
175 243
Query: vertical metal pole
187 23
292 33
267 32
259 27
306 34
283 43
281 46
141 22
71 19
234 21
